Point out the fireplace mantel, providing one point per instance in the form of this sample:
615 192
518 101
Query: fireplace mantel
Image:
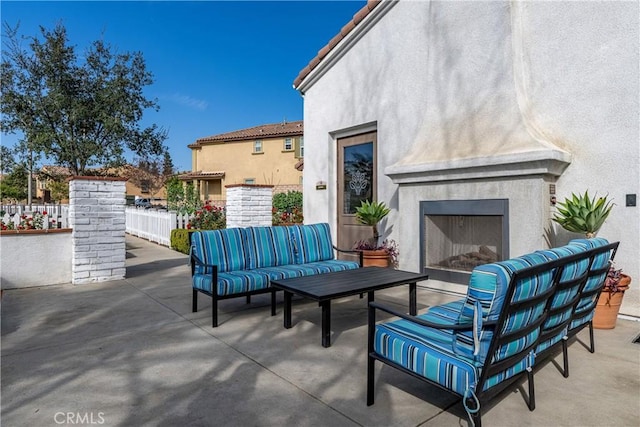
539 162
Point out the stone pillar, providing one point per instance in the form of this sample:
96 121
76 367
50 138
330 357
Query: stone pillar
249 205
97 216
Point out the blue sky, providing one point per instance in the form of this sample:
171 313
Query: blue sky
218 66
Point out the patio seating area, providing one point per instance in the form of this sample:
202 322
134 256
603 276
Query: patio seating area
132 352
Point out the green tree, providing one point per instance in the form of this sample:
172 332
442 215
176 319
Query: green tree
181 198
7 161
14 186
80 111
167 164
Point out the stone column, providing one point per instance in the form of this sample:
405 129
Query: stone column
249 205
97 216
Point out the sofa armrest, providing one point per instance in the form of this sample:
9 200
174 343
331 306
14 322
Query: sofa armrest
197 261
350 251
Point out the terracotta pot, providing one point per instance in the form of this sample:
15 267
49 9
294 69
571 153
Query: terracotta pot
375 258
608 307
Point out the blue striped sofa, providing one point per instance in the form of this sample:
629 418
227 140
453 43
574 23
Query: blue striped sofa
514 313
236 262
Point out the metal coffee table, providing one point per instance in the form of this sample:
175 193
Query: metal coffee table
325 287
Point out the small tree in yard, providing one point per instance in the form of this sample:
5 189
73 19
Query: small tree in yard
80 111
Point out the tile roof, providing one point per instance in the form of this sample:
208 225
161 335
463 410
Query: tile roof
357 18
263 131
200 175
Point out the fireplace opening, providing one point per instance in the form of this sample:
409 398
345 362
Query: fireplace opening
458 235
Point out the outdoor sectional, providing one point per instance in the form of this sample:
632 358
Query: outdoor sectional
236 262
515 312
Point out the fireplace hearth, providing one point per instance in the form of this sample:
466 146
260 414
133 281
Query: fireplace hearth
458 235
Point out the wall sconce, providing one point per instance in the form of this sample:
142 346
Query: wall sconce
321 185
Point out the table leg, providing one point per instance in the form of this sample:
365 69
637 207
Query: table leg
412 299
326 323
287 309
370 297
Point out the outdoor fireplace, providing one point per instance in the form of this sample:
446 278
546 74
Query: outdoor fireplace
458 235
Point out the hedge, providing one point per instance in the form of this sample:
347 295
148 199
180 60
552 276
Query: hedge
180 240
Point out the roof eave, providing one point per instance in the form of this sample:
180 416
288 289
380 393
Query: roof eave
339 45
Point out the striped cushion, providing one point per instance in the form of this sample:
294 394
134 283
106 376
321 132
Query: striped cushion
268 247
311 243
488 286
232 283
298 270
586 306
224 248
427 352
413 347
562 296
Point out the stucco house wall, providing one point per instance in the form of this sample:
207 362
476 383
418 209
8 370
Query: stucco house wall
485 99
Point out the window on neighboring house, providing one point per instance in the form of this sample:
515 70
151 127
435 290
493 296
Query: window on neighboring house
300 147
144 186
288 144
249 180
257 146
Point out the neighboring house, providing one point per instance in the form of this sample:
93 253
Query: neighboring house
140 183
263 155
447 110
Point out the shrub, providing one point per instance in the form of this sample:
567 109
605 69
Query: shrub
208 218
287 202
180 240
287 208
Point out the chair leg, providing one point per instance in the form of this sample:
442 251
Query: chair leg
194 301
532 392
565 357
592 349
248 299
476 419
214 311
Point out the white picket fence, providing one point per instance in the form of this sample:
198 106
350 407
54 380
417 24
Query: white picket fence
154 225
57 215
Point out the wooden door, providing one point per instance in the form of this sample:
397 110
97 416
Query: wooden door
356 182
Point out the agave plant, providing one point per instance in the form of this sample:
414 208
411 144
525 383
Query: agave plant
582 214
371 214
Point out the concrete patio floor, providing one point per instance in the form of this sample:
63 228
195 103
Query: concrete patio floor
131 353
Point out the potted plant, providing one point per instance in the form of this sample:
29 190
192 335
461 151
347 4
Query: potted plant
375 253
610 299
582 214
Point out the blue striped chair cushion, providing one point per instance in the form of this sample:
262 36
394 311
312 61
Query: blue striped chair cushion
586 306
224 248
488 286
268 247
233 282
298 270
445 313
427 352
563 296
312 243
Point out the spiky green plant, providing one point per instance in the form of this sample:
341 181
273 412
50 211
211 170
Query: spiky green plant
582 214
371 214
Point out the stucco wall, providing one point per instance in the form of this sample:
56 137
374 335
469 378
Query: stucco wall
440 79
273 166
35 258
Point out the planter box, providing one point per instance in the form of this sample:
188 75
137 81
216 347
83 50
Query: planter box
35 258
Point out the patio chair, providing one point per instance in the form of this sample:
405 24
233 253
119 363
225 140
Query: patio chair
477 347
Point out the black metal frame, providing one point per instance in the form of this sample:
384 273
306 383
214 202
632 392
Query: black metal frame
214 280
490 367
